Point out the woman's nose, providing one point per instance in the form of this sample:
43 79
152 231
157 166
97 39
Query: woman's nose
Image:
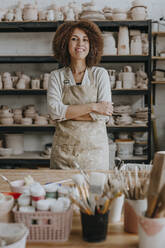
80 42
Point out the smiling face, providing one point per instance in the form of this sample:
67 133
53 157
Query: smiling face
78 45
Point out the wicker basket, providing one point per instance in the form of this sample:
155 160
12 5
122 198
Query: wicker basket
45 225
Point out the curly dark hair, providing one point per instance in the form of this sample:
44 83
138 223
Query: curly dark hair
63 35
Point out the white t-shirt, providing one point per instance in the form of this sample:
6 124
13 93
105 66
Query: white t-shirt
57 109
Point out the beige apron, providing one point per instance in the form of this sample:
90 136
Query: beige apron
83 142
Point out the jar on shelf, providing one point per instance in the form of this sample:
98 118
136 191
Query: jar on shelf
30 12
140 148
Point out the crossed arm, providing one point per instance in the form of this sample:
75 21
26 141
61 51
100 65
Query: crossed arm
82 112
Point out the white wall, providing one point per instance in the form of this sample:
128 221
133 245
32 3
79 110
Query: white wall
38 43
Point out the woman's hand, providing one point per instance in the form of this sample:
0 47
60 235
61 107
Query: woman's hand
103 108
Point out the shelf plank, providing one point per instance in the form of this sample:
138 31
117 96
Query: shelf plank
130 128
26 155
23 92
158 58
50 128
43 92
125 58
129 92
158 82
36 158
27 59
51 59
45 26
158 33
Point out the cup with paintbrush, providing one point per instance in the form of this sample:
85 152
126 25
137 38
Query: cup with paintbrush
95 225
135 190
152 225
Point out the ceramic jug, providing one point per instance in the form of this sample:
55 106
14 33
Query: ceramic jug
128 80
50 15
8 84
18 15
35 84
136 45
30 12
123 41
139 13
46 80
21 84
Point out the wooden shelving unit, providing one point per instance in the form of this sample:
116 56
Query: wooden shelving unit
33 158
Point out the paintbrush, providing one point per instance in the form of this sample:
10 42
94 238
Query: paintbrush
96 187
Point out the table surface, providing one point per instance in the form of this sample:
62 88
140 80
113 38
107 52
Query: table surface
116 237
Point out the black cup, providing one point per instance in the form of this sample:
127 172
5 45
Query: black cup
94 227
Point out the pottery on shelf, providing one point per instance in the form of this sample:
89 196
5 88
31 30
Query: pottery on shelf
119 14
138 13
26 121
5 152
109 39
123 41
16 142
30 12
35 84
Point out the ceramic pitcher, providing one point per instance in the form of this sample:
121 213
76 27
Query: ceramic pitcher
123 41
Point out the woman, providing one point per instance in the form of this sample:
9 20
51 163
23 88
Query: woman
79 98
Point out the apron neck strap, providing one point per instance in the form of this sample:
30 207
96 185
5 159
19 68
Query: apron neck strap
90 75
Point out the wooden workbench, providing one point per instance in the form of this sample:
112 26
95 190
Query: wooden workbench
116 237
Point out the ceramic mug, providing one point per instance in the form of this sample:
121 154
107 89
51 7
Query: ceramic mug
118 84
35 84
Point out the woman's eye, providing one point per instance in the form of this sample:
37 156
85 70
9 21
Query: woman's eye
86 40
73 38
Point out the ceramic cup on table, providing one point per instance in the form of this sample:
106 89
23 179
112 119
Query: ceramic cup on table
133 208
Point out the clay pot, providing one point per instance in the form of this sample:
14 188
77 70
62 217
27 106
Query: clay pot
16 142
136 45
123 41
26 121
5 152
139 13
46 81
119 14
30 12
35 84
21 84
7 120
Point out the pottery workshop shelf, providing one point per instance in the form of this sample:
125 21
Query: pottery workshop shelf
158 58
51 59
26 128
50 128
158 33
158 82
27 59
26 159
127 129
43 92
23 92
52 26
125 58
130 92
